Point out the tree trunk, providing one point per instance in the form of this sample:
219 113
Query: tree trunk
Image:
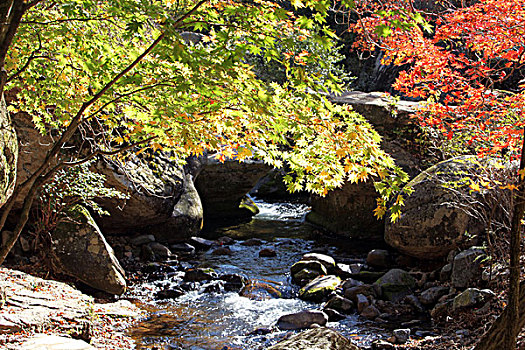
495 337
504 332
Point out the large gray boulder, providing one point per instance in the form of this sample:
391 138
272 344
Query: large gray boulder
162 199
8 154
349 211
315 339
223 186
80 250
380 110
441 210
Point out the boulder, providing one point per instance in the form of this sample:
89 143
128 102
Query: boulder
256 290
301 320
233 282
319 288
352 292
315 339
349 211
380 110
431 296
370 312
80 250
199 275
8 154
466 268
311 265
267 253
401 335
222 186
436 216
327 261
395 284
472 297
252 242
340 304
362 302
222 251
378 258
162 199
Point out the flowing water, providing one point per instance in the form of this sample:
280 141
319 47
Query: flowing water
201 319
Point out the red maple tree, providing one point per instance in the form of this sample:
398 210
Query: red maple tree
465 60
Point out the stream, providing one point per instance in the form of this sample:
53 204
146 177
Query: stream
212 319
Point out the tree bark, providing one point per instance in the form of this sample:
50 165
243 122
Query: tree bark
504 332
494 338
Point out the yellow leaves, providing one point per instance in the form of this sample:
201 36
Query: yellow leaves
509 187
297 3
156 146
474 186
243 152
521 173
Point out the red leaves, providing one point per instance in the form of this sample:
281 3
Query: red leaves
472 48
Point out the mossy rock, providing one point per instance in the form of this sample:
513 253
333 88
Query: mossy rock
320 288
395 284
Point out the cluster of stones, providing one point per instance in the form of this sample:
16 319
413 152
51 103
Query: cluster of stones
382 294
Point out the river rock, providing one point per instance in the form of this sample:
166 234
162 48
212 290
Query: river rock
352 292
222 251
319 288
315 339
169 293
233 282
340 304
370 312
199 275
8 154
395 284
142 239
327 261
160 250
304 276
401 335
431 296
471 297
310 265
183 249
81 251
432 223
380 344
202 243
362 302
267 253
252 242
222 186
256 290
225 240
301 320
466 268
333 315
163 199
378 258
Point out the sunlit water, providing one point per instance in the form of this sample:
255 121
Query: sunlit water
224 320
